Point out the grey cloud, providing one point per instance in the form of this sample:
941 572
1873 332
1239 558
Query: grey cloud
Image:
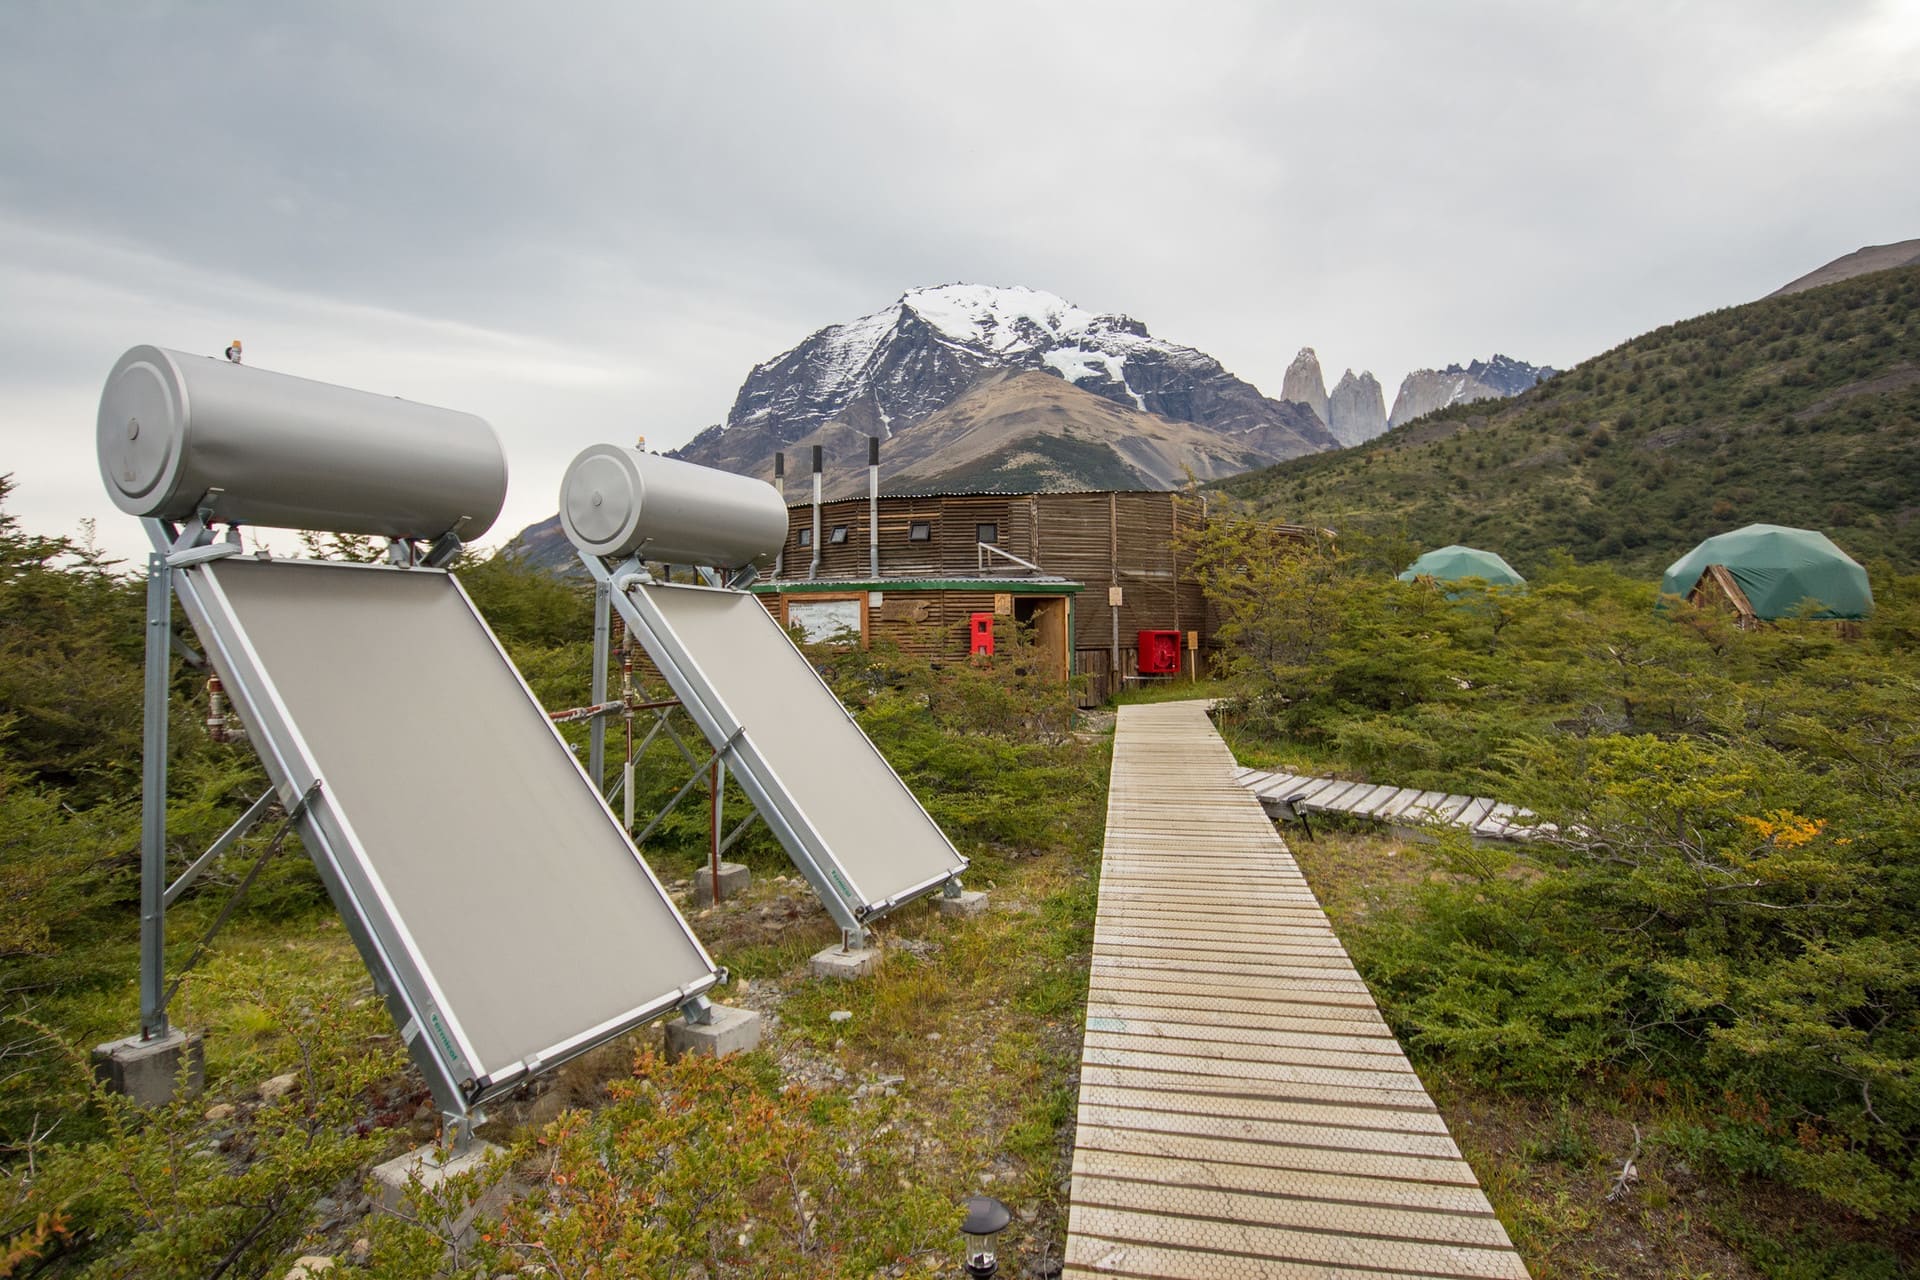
664 195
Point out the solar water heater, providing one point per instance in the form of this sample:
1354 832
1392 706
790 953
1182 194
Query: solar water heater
843 815
502 910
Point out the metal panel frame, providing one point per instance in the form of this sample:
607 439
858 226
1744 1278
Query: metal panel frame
436 1042
850 907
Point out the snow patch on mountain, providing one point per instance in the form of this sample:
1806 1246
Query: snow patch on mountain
1076 364
1008 321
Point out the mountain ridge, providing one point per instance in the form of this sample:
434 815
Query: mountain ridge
1425 390
885 372
1862 261
1802 409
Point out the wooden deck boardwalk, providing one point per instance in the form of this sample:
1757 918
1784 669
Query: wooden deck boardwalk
1285 794
1244 1110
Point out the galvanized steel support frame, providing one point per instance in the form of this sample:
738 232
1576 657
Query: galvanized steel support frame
153 798
602 654
787 825
172 546
176 547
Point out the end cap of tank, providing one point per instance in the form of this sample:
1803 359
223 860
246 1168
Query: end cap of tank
141 429
600 500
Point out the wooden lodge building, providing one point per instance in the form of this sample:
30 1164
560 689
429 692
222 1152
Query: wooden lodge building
950 563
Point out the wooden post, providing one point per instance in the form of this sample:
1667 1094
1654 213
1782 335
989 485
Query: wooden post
1173 547
1113 582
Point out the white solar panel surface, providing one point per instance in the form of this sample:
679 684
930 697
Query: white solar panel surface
479 842
866 825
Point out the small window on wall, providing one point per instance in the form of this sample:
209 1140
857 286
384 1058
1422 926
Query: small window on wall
838 536
988 533
806 537
920 531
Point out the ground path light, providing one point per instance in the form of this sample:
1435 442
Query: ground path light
986 1218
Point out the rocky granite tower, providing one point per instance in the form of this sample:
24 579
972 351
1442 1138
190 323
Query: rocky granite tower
1357 408
1305 385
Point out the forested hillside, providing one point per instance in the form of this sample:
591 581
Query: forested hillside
1718 945
1799 410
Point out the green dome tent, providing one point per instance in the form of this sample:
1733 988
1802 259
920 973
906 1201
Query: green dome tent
1451 564
1777 568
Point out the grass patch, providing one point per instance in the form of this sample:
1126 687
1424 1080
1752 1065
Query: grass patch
1551 1164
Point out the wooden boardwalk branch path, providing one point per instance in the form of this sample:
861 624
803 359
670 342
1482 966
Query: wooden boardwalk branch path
1244 1110
1286 795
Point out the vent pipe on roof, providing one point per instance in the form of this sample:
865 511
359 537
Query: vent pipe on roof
779 487
873 506
813 569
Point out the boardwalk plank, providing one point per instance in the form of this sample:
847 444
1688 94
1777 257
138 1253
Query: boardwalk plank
1244 1109
1325 1248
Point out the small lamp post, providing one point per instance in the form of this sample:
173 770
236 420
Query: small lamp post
986 1218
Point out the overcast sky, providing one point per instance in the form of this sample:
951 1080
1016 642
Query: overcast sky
588 222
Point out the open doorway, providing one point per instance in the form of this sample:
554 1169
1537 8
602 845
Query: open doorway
1047 615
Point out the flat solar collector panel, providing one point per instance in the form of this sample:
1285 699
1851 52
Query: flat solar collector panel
796 748
468 842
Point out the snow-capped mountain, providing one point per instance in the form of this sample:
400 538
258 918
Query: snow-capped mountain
1425 390
885 373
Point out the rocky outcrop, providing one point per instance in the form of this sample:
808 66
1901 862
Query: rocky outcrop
885 373
1356 408
1425 390
1305 385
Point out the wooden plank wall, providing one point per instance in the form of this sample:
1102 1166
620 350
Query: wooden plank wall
948 553
1104 539
1097 539
1093 538
932 624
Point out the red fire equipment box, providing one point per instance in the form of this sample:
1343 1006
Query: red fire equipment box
980 634
1159 653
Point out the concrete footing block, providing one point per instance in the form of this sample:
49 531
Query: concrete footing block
393 1181
968 902
734 879
153 1072
841 963
731 1031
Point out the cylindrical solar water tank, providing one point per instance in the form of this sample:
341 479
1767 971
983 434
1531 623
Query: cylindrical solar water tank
623 502
290 453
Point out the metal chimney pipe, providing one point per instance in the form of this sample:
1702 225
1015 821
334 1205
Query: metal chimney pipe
780 487
873 506
813 570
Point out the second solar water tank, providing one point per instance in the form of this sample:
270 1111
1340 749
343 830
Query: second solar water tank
617 502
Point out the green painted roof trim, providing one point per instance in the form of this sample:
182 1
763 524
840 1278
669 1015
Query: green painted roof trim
1014 586
1779 568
